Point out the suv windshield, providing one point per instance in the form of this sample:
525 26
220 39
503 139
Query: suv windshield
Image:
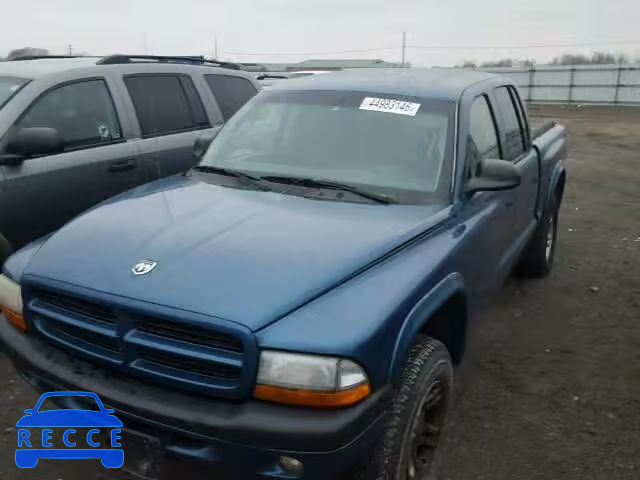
9 86
377 142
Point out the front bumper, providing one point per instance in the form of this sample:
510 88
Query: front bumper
225 439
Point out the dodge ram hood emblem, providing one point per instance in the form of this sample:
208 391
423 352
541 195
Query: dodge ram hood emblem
143 267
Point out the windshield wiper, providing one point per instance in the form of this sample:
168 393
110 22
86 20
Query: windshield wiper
317 183
246 177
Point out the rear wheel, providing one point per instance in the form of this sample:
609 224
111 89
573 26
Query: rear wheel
408 448
537 260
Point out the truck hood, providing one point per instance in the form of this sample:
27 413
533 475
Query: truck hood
242 255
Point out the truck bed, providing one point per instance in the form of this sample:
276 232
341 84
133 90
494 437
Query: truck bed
540 126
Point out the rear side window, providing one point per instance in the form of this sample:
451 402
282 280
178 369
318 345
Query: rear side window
231 92
166 104
514 136
483 135
82 112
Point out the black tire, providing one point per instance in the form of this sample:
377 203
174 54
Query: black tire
537 260
5 250
415 418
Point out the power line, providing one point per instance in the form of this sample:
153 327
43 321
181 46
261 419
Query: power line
507 47
315 53
444 47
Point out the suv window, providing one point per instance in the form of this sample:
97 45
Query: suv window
483 135
514 137
231 92
166 104
82 112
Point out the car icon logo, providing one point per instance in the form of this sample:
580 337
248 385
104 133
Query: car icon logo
39 427
143 267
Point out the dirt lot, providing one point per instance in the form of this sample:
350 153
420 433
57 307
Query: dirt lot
550 388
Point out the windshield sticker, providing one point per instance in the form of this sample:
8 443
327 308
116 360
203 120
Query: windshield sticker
13 88
390 106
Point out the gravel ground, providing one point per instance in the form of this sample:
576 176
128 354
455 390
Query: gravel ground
550 386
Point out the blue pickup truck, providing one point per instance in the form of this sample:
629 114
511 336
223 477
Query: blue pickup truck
293 307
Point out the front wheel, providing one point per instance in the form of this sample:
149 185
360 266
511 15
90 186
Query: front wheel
408 448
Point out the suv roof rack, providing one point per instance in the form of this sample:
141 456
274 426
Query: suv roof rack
267 76
190 60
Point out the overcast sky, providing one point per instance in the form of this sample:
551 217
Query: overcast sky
298 27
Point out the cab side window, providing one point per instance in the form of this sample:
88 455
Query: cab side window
483 135
82 113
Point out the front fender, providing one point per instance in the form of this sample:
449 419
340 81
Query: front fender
420 315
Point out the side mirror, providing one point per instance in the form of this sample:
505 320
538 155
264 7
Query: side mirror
494 175
29 142
201 144
29 411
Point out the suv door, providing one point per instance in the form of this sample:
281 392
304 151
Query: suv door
42 193
171 116
517 148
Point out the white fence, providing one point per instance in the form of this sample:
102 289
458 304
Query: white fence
588 84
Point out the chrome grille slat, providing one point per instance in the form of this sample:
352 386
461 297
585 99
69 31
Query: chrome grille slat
156 348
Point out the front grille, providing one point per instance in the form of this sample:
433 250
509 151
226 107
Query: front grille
92 339
194 366
204 356
195 335
94 311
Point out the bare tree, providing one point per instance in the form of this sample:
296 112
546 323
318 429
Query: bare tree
596 58
26 51
505 62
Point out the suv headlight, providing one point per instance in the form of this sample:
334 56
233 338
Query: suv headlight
11 302
310 380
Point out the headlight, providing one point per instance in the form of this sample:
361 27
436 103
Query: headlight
310 380
11 302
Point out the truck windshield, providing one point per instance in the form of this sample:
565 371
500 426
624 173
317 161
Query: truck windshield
9 86
393 145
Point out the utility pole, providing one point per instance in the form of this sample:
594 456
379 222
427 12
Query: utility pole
404 46
70 49
216 48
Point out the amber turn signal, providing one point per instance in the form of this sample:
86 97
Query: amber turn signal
15 319
311 398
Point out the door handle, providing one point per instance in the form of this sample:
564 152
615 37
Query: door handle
122 166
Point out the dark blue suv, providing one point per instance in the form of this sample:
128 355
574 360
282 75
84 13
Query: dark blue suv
293 306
